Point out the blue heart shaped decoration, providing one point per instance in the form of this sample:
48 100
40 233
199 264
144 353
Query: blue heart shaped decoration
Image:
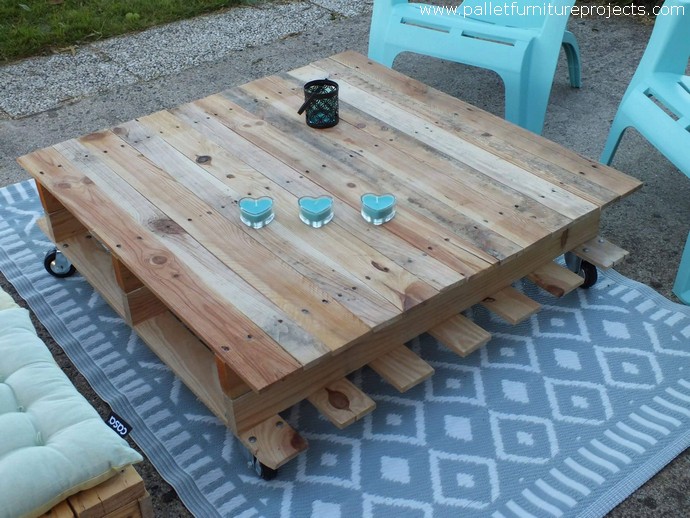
315 212
256 212
378 208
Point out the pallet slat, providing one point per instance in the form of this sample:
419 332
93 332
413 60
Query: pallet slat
555 279
342 402
109 497
511 305
601 253
273 442
402 368
460 335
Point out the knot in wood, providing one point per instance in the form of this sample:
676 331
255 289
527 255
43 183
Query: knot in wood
166 226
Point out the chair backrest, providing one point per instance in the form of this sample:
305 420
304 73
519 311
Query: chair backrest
668 49
523 14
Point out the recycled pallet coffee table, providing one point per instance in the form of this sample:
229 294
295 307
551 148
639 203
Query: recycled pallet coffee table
256 320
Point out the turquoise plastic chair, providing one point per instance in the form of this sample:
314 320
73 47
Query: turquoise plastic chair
657 104
521 46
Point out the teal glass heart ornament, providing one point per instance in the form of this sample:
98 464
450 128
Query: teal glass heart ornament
315 212
378 208
256 212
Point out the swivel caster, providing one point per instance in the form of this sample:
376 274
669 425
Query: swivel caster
57 265
258 467
589 272
262 470
583 269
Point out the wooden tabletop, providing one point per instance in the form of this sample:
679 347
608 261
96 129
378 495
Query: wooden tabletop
474 193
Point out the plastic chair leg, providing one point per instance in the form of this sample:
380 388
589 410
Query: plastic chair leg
572 53
682 285
382 52
525 105
620 123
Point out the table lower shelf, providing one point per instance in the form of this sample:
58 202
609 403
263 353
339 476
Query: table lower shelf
253 417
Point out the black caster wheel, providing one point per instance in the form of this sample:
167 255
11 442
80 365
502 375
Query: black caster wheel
57 264
589 272
262 470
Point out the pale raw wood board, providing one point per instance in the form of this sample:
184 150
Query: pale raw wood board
387 170
342 402
450 181
239 341
247 134
506 140
601 253
274 442
121 495
331 324
337 266
460 335
395 113
511 305
94 265
61 510
555 279
402 368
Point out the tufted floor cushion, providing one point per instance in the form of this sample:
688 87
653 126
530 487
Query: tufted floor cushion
52 442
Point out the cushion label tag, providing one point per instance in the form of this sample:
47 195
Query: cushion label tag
121 427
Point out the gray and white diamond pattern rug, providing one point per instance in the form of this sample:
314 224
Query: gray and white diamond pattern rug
563 415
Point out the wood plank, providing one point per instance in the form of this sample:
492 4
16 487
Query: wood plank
460 335
273 442
109 496
125 278
511 305
94 265
230 382
62 225
329 322
555 279
142 508
601 253
489 223
240 127
402 368
252 408
449 181
446 113
142 304
254 355
49 202
61 510
213 276
446 141
497 133
187 357
342 403
322 258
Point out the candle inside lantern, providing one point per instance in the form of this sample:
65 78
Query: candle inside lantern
256 212
315 212
378 208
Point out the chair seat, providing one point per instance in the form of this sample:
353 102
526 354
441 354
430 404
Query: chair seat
412 13
657 104
522 50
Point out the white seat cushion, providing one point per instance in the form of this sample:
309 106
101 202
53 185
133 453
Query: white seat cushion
53 443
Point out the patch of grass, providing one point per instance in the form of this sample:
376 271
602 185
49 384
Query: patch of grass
33 27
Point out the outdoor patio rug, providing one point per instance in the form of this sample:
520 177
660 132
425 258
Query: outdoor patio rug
564 415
